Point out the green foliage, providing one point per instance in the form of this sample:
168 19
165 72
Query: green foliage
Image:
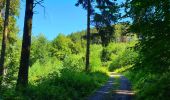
95 61
67 86
39 70
153 85
39 49
121 31
115 49
56 67
74 63
14 8
123 69
111 52
123 57
151 69
12 27
13 44
12 63
77 48
60 47
77 36
53 78
71 85
105 56
153 27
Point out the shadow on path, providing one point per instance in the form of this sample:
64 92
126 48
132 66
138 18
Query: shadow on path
124 92
107 91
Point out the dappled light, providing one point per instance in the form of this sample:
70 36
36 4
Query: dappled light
85 50
124 92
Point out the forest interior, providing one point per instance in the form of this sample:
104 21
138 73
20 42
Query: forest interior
118 50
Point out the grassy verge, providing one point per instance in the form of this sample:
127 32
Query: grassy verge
68 86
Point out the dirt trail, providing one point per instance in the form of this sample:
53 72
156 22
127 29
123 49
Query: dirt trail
124 91
107 92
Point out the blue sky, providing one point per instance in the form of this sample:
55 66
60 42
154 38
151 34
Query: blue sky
59 16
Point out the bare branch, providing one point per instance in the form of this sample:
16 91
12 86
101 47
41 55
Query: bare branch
40 2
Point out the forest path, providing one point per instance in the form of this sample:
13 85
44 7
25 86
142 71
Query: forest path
110 92
123 92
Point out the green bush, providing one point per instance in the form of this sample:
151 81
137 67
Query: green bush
61 47
73 63
128 57
69 86
149 86
95 60
111 52
38 70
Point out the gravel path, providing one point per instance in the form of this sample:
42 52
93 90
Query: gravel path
107 91
124 92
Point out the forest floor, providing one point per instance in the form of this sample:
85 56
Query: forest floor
118 87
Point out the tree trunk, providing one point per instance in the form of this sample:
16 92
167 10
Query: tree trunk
88 37
4 40
22 81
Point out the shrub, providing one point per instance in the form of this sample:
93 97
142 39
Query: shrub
127 57
73 63
95 60
38 70
150 86
69 86
111 52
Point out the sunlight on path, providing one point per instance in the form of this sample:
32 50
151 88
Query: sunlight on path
107 92
113 74
104 93
124 91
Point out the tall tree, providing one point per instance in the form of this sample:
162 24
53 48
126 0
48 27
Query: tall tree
88 37
151 19
108 14
22 81
87 5
104 18
4 40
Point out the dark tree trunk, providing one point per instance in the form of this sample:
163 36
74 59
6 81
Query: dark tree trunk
4 40
22 81
88 37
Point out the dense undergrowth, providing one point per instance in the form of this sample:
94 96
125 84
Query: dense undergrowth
149 86
139 49
147 83
61 79
68 86
57 70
